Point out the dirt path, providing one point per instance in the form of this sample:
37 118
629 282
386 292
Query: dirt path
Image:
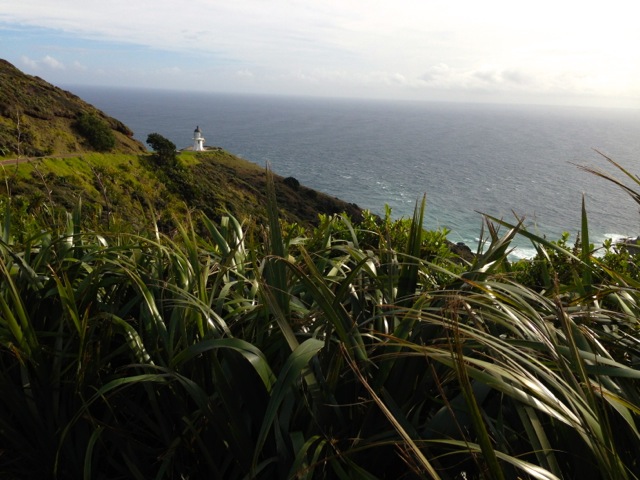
18 160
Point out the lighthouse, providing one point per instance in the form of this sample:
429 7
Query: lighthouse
198 140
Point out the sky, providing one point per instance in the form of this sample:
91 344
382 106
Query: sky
545 52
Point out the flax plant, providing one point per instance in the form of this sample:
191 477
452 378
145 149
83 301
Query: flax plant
235 350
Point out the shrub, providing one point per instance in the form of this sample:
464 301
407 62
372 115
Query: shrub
96 131
292 183
164 149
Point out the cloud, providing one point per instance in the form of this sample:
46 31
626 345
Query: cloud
51 62
79 66
398 78
46 62
470 46
244 73
487 78
170 71
436 73
29 63
519 77
511 77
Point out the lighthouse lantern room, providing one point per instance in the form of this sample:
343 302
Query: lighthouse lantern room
198 140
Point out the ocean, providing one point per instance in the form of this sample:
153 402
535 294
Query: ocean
469 159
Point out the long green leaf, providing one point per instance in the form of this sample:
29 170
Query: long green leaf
293 368
396 424
484 439
274 271
250 352
585 252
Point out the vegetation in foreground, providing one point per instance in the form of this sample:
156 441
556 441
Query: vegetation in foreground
234 351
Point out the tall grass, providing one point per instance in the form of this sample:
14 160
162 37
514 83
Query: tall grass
239 351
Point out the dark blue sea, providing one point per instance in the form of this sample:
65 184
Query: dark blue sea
468 158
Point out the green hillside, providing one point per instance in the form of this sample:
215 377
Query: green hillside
136 189
37 118
59 150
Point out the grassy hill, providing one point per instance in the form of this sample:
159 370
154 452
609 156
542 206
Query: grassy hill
125 187
59 150
37 118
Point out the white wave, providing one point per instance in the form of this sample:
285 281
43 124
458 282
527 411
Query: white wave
522 253
615 237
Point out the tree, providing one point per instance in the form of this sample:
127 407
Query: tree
164 149
96 131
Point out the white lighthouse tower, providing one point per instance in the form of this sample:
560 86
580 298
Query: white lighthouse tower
198 140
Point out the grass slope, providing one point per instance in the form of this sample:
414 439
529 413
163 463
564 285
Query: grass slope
49 165
224 182
128 187
37 118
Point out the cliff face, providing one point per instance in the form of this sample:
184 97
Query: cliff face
37 118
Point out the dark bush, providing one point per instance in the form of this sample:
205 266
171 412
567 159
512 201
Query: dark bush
96 131
164 149
292 183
